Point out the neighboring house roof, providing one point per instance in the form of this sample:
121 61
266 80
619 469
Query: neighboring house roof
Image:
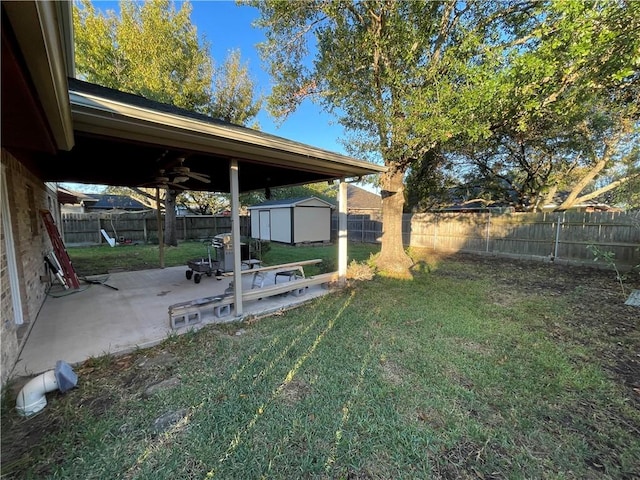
71 197
361 199
477 206
110 202
292 202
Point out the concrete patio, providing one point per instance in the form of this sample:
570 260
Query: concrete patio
98 320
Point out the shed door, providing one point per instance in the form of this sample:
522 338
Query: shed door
265 225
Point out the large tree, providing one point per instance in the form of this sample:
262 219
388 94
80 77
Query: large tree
565 117
402 77
152 49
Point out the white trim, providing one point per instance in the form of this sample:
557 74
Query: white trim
10 252
299 202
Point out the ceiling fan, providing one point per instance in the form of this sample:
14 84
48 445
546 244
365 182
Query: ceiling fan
163 181
182 174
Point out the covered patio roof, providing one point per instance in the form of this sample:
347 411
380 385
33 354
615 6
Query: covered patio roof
127 140
76 131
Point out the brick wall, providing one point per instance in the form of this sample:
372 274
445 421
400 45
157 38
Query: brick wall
27 195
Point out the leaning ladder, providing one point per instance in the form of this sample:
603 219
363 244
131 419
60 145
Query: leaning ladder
61 253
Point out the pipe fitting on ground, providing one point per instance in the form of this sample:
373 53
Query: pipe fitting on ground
32 398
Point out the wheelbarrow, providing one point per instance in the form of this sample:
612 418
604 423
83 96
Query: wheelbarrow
200 266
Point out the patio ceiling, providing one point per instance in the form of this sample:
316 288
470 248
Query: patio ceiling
127 140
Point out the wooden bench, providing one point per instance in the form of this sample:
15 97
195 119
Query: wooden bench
283 266
281 269
252 263
190 313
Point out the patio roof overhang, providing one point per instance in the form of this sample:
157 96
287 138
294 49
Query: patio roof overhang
97 135
126 140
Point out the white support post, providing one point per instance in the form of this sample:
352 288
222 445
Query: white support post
342 233
235 236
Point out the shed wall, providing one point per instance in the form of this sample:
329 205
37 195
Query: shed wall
281 225
312 224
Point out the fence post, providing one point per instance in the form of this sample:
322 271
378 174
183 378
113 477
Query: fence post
488 229
558 226
99 228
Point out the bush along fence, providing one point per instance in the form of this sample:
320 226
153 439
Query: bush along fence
85 228
563 237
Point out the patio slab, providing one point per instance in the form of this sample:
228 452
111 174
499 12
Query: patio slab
98 320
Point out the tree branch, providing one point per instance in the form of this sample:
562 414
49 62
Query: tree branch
605 189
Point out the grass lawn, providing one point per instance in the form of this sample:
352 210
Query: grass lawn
97 260
478 368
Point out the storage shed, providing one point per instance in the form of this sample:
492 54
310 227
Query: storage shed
296 220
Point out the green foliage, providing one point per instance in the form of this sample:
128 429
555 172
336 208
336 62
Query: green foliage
320 190
403 78
608 257
233 92
151 49
564 114
203 203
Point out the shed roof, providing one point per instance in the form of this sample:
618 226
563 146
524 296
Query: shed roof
290 202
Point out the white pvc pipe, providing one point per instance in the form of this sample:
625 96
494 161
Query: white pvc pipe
32 398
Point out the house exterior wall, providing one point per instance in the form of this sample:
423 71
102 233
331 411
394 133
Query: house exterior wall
72 209
27 195
312 224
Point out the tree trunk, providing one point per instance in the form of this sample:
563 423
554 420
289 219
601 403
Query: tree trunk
393 259
170 224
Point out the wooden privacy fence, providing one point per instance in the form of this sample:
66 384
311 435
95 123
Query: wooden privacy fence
553 236
562 237
84 228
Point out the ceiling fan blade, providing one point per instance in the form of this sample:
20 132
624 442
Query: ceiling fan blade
202 177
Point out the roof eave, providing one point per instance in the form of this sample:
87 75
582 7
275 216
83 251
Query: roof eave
45 43
103 116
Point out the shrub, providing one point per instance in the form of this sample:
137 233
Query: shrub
360 271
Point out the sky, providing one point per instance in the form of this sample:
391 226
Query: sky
227 26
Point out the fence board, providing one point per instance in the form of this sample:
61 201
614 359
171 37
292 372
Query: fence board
84 228
559 236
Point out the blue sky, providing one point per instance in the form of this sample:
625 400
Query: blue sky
226 27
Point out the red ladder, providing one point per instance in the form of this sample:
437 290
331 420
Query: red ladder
61 252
